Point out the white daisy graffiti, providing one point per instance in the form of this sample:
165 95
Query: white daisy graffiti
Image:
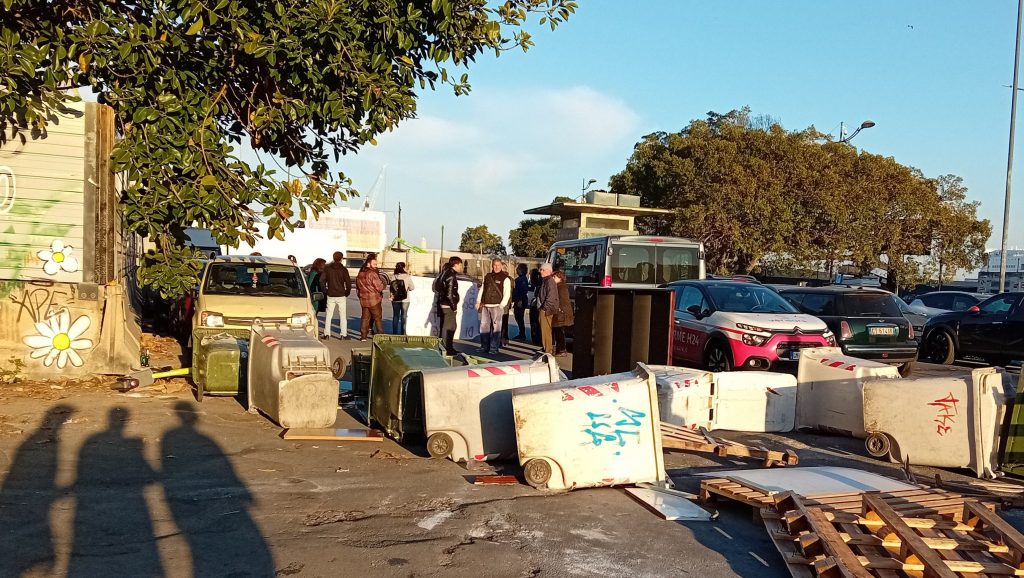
57 258
58 339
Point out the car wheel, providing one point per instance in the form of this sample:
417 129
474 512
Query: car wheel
717 358
906 369
939 348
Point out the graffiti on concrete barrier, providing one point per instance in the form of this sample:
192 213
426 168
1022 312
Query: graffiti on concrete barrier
603 429
59 340
59 257
946 413
8 189
40 302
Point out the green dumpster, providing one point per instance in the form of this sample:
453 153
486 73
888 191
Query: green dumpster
396 381
1013 437
219 360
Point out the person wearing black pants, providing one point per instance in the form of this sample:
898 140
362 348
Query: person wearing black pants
520 300
446 290
535 333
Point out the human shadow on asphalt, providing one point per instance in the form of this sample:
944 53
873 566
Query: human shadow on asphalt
113 532
26 496
210 504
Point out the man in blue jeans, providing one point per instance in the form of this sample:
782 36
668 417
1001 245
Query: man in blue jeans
495 294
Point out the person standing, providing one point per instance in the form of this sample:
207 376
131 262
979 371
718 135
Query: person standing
521 300
535 281
446 289
495 294
565 316
316 270
336 284
400 287
370 289
547 301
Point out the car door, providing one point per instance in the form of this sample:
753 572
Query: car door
689 333
982 333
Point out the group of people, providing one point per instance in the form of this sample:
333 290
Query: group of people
543 293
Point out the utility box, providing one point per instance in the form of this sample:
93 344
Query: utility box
468 410
830 390
290 377
616 328
599 431
220 358
396 381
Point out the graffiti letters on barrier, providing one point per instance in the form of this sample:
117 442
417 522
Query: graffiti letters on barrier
604 430
39 302
8 189
946 413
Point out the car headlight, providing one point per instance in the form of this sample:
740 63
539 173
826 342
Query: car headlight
755 340
211 319
299 320
754 328
830 338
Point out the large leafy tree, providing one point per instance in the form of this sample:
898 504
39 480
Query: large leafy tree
480 240
194 81
752 192
533 237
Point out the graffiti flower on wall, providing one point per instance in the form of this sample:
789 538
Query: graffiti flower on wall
58 339
58 258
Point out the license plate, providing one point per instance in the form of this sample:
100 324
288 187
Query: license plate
890 331
794 355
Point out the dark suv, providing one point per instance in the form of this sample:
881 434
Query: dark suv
868 323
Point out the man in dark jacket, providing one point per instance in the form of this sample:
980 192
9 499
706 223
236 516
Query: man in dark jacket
336 284
521 299
446 290
547 298
370 288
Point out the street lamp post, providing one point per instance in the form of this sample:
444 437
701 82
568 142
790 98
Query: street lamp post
586 185
842 129
1009 156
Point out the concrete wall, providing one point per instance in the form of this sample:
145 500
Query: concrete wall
63 264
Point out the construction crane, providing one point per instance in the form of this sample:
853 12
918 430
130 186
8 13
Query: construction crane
371 195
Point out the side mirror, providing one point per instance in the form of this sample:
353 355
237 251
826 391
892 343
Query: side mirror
694 310
318 296
974 310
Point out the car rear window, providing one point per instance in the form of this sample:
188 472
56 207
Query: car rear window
871 305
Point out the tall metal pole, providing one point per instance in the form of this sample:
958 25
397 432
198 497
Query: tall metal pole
1009 156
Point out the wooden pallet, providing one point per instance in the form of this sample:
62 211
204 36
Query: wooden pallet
917 502
880 541
675 437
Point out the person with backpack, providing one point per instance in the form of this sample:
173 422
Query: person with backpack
400 287
446 291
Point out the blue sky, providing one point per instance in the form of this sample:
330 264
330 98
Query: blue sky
537 124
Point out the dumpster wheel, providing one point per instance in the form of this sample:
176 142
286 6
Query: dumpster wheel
537 472
878 445
439 445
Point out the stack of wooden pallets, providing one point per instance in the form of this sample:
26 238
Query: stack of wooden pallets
675 437
877 539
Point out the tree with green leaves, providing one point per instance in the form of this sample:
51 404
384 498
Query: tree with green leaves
192 81
752 191
480 240
533 237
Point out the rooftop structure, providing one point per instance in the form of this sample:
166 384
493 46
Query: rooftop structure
603 213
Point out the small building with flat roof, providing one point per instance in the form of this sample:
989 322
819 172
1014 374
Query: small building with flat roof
602 214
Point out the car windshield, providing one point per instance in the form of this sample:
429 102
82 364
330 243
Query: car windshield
254 279
871 305
739 298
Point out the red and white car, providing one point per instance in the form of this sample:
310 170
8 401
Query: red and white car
726 325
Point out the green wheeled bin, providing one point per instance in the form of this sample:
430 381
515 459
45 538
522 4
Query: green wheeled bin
219 360
396 381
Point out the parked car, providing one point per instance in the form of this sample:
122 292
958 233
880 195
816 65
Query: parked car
868 321
939 302
726 325
917 320
992 331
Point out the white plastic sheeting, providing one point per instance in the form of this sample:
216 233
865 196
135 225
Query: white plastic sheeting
830 390
599 431
952 421
423 320
749 401
469 409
